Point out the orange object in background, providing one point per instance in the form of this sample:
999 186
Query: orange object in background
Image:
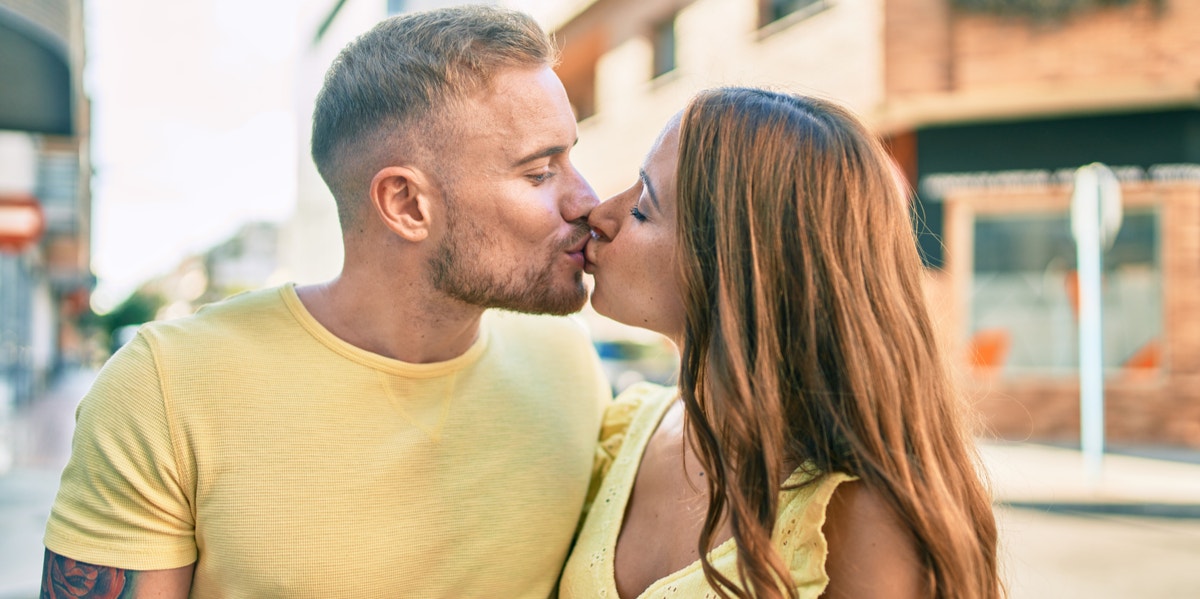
1145 362
1147 356
1071 282
988 349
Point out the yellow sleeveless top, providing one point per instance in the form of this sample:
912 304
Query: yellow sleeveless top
628 425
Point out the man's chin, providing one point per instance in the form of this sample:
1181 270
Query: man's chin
561 305
571 307
556 301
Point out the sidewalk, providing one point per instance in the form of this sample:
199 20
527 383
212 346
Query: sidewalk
1052 478
37 445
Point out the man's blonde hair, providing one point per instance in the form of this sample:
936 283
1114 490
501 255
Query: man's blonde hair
388 92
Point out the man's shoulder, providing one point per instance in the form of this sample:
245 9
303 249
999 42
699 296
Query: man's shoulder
247 312
246 303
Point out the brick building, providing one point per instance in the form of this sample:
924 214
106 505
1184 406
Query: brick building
989 113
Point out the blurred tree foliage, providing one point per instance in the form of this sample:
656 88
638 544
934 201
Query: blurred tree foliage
136 309
1044 9
141 307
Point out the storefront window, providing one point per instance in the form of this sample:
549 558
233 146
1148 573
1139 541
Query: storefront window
1024 296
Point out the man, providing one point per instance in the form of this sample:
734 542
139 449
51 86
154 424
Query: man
378 435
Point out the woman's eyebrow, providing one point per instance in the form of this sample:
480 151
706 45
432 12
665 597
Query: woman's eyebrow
649 188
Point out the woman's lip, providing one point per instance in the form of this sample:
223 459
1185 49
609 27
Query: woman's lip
589 257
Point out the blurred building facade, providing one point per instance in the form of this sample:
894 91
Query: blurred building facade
990 114
44 135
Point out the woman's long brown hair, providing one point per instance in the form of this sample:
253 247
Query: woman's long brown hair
808 340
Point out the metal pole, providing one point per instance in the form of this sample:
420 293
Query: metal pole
1095 218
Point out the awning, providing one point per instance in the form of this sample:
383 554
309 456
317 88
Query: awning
35 78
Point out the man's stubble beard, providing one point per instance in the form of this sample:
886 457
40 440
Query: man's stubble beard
457 272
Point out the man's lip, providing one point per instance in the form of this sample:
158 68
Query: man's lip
577 252
579 247
579 259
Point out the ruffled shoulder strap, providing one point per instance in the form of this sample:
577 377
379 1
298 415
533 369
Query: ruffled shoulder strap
798 535
618 417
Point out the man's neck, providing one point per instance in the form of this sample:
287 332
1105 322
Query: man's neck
404 321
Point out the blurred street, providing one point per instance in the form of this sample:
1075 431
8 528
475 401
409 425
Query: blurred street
1135 533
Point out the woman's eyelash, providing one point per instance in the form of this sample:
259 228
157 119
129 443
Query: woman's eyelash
637 214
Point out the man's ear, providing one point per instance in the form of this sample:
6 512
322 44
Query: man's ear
400 195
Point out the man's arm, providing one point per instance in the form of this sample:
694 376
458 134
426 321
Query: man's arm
65 578
121 500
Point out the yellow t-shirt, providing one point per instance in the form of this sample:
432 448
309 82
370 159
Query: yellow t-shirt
626 431
285 462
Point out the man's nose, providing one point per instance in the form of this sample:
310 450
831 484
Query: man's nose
582 201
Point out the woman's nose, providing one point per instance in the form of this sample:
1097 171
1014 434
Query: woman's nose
602 222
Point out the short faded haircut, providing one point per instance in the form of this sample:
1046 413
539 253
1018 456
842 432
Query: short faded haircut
388 92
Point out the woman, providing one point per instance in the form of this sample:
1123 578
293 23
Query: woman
814 446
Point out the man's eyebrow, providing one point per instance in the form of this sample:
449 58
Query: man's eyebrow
649 188
544 153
